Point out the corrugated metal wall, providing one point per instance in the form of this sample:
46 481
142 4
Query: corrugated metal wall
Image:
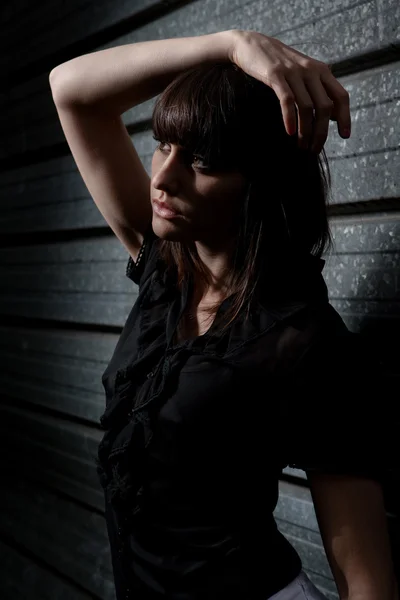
64 294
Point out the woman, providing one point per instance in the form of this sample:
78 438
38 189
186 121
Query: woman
218 377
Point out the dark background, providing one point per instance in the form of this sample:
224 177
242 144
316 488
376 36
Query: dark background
64 294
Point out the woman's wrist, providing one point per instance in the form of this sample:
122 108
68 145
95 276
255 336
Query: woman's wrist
229 39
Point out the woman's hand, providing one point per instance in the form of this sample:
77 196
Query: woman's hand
298 81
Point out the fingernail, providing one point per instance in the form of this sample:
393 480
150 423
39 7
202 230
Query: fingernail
346 132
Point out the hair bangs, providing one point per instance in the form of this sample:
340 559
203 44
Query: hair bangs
200 112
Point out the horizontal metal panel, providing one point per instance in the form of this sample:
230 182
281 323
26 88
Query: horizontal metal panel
295 506
84 281
63 534
30 206
296 519
22 578
49 216
73 540
63 451
362 272
53 196
294 513
73 21
298 473
309 546
32 110
337 28
43 179
366 177
389 12
75 439
48 466
366 234
326 586
78 308
369 316
374 108
365 276
31 118
56 369
59 522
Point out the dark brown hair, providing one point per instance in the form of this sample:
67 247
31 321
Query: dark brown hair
234 122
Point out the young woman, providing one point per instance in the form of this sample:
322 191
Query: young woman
232 362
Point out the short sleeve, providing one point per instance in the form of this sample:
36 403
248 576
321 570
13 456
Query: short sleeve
138 271
338 414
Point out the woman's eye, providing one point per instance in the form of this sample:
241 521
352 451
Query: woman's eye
197 160
161 145
194 159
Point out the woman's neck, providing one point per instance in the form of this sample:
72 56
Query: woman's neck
217 266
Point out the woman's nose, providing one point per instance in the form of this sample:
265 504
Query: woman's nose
167 172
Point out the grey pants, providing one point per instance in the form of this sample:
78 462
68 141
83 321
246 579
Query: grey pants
300 588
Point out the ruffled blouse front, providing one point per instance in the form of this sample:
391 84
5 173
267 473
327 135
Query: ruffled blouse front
197 433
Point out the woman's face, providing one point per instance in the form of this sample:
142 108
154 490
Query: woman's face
191 202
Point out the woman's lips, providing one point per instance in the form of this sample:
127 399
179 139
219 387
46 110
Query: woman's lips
164 210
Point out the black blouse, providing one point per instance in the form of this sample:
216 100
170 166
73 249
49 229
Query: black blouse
197 433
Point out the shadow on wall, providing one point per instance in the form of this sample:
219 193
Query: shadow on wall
363 274
383 336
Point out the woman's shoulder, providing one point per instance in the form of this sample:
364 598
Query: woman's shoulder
150 260
296 296
310 329
325 349
137 270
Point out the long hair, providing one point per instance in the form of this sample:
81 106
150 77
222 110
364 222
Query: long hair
234 122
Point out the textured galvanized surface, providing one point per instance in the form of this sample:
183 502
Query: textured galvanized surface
363 25
51 388
84 281
68 537
53 196
61 369
366 167
294 513
296 519
81 281
70 23
73 540
54 451
31 105
363 273
312 27
365 260
23 578
82 550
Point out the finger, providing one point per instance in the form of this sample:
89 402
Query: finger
341 100
323 107
286 98
333 116
305 109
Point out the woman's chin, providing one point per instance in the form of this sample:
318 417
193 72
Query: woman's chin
167 229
